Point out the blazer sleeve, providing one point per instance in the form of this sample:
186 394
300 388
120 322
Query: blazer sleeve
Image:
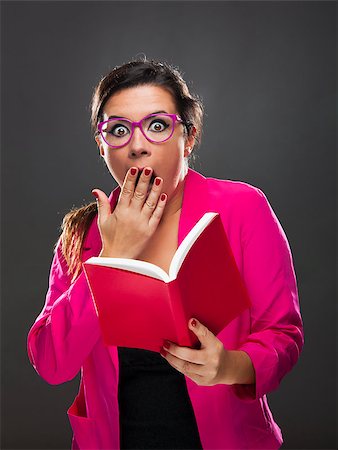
276 331
66 329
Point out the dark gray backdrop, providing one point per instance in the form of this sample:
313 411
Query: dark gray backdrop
266 73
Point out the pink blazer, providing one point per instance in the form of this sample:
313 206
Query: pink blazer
65 338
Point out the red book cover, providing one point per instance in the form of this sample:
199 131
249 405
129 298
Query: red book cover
139 305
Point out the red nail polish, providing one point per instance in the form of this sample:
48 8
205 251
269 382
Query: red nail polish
147 171
133 171
163 197
193 323
157 181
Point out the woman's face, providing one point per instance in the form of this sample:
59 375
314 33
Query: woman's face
167 158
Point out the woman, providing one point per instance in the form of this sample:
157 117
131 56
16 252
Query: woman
146 125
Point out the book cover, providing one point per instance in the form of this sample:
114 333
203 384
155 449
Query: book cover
139 305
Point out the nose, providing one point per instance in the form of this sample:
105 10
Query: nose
138 144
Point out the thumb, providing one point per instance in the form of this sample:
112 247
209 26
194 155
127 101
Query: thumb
103 205
202 332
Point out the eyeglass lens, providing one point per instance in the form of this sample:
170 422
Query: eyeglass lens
157 129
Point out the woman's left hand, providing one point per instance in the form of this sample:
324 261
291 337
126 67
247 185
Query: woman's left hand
206 366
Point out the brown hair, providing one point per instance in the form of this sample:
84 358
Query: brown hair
143 72
74 227
133 73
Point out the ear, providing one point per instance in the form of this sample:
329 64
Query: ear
99 144
190 142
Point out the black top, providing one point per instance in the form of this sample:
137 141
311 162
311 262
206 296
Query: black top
155 408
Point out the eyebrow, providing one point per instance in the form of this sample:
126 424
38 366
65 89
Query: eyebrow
155 112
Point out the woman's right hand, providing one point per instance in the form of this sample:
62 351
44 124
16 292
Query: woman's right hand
126 231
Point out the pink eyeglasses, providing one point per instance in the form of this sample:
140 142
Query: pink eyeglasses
157 128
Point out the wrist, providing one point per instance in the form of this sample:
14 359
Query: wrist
239 368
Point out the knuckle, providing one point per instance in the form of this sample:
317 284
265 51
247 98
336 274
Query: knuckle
218 346
186 367
150 204
126 191
214 372
139 194
221 346
216 363
204 332
157 215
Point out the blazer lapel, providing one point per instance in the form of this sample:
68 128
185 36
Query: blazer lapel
194 204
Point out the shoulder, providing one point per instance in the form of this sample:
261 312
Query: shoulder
235 194
241 205
247 208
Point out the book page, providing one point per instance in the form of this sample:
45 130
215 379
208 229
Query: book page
133 265
151 270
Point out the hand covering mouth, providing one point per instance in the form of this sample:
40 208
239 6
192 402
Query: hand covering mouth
152 178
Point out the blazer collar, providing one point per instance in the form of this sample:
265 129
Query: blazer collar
194 202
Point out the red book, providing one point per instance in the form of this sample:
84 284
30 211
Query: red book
139 305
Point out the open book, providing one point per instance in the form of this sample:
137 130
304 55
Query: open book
139 305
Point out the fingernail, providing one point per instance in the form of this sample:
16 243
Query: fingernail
163 197
147 171
193 323
133 171
95 194
157 181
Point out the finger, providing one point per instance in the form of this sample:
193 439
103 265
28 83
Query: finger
205 336
103 204
185 353
186 367
141 189
128 186
153 197
158 211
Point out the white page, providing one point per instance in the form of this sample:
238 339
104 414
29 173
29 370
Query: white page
149 269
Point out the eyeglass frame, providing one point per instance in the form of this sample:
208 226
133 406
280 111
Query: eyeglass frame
175 118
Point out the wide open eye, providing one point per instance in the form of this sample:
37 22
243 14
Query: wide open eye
119 130
158 125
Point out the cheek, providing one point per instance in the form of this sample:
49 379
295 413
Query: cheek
176 148
115 167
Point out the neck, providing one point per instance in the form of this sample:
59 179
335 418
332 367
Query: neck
174 204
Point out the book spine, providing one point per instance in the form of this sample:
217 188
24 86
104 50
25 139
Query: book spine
180 318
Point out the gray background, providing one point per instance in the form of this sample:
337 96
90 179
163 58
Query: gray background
266 74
